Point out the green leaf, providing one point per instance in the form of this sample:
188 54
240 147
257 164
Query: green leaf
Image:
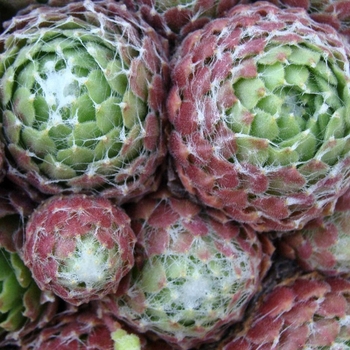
32 301
176 267
125 341
329 93
265 126
322 121
108 166
335 127
297 75
338 71
271 104
76 157
23 103
56 170
42 111
345 96
324 70
116 76
10 293
27 53
288 125
97 86
312 125
22 273
275 54
109 145
14 319
85 134
250 91
101 54
314 169
331 151
132 144
84 108
12 127
304 56
273 76
38 142
252 150
58 45
60 134
5 267
109 115
11 53
47 64
6 85
133 110
239 119
80 58
282 156
304 143
153 277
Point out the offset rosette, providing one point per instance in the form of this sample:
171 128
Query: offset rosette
193 275
323 244
310 311
260 111
83 328
23 306
79 247
82 92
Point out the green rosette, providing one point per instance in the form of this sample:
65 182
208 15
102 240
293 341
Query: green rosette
82 90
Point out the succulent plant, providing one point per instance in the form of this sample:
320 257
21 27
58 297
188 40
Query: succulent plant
22 302
259 109
108 243
75 331
79 247
193 275
89 327
82 94
323 244
83 328
304 312
23 306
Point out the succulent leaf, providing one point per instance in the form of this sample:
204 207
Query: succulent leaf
123 340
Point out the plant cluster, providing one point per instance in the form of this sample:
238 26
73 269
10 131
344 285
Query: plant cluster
175 174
